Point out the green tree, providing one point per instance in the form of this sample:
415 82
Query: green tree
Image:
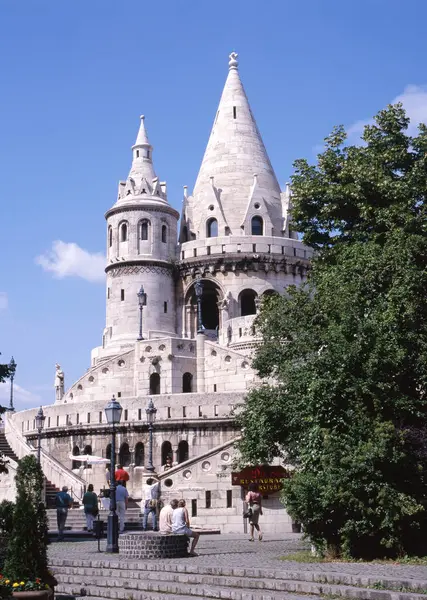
4 374
27 550
344 357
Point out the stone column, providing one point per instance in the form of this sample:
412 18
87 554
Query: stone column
200 362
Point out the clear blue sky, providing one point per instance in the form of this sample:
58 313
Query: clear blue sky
75 76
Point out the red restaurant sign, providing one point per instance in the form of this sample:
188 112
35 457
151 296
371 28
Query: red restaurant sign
269 479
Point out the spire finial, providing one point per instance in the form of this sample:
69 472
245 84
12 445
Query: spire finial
142 117
233 63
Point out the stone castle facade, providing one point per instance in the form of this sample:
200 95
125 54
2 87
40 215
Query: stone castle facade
234 236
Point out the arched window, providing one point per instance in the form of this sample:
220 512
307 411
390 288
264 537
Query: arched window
108 452
247 302
182 451
123 232
154 384
110 236
212 228
124 455
139 455
76 463
257 226
143 230
166 452
185 233
87 451
187 383
164 233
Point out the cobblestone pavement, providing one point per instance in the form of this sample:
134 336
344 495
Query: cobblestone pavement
235 551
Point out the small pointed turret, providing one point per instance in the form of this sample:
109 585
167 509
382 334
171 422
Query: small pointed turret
142 164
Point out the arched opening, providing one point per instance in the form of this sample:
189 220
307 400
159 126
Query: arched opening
212 228
76 463
182 451
139 455
123 232
124 455
88 452
185 233
166 452
110 236
164 233
210 300
257 226
108 452
143 230
247 302
154 384
187 383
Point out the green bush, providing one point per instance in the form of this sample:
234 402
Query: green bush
26 557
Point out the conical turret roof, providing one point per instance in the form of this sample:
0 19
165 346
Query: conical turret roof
234 154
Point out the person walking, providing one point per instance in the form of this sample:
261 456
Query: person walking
63 502
254 499
122 497
90 503
121 476
181 525
152 496
165 517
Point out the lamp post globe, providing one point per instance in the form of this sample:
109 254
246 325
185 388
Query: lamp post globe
40 419
113 413
150 411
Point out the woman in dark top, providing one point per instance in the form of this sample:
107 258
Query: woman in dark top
254 499
90 503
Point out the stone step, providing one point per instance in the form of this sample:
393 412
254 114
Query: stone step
157 590
233 583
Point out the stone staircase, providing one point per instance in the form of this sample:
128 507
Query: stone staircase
76 520
50 489
186 581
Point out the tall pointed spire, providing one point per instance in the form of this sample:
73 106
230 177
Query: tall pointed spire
142 164
235 152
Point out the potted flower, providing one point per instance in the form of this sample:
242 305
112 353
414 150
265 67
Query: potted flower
26 568
24 589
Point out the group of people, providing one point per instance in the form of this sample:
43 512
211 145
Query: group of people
173 517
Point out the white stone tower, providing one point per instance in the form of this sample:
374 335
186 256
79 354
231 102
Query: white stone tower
235 230
141 250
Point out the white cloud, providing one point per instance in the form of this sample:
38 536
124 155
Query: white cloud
414 100
69 260
22 398
3 301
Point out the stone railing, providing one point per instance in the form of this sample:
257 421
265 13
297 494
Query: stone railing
249 244
237 331
53 470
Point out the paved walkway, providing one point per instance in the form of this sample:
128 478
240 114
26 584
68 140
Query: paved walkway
235 551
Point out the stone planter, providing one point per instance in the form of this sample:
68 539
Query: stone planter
34 595
137 545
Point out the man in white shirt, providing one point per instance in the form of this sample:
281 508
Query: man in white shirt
165 517
122 496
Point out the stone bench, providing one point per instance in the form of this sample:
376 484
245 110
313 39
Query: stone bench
141 544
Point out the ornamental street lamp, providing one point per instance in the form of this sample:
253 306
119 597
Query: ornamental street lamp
198 288
113 413
12 369
142 301
40 419
151 417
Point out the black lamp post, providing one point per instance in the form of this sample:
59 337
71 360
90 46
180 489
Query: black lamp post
198 288
151 417
12 369
113 412
142 301
40 419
